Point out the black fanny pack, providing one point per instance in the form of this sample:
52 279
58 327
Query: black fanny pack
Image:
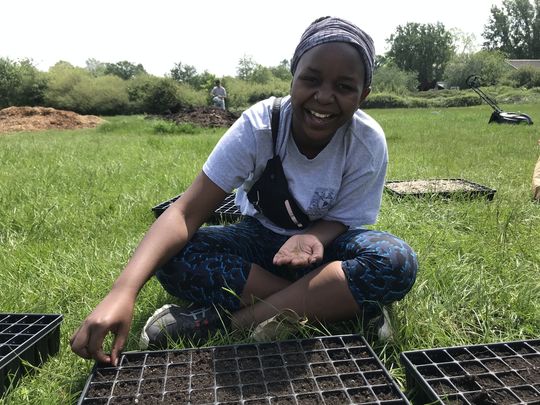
270 194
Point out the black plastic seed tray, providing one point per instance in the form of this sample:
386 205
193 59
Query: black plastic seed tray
226 212
499 373
326 370
25 337
445 188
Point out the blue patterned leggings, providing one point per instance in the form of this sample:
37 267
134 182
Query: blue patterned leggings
379 267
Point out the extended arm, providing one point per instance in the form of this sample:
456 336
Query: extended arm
166 236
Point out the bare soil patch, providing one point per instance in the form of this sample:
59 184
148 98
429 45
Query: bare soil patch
202 116
17 119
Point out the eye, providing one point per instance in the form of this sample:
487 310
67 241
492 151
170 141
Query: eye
346 87
308 79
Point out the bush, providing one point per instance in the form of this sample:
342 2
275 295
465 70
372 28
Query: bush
490 66
20 83
153 95
384 100
525 76
461 100
391 79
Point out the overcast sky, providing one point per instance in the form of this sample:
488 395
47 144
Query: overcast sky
210 35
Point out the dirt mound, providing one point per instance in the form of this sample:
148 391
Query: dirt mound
203 116
14 119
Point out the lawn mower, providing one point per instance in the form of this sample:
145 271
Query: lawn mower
499 116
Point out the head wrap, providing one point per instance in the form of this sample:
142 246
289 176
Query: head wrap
333 29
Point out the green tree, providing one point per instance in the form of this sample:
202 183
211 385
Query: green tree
95 67
124 69
20 83
422 48
514 29
246 67
282 70
183 73
489 65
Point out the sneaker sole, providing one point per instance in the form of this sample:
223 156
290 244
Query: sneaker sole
144 340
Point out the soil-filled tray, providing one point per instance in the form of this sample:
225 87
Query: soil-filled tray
326 370
499 373
445 188
25 337
226 212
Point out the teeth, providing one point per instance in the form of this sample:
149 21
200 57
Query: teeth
318 115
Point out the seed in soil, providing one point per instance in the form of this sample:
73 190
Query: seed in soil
202 396
510 379
178 369
473 367
97 390
124 400
177 383
442 387
199 381
329 383
268 348
339 354
246 351
375 378
154 371
223 379
495 365
148 399
352 380
129 373
253 391
335 398
451 369
481 352
503 397
332 343
531 375
179 357
466 383
283 401
361 395
156 358
279 388
288 347
351 341
104 375
312 344
125 388
303 385
251 377
275 374
360 353
501 350
534 360
224 353
385 393
271 361
516 362
322 369
152 385
298 371
132 359
309 399
248 363
176 397
488 381
429 372
314 357
294 358
225 365
527 394
343 367
228 394
460 354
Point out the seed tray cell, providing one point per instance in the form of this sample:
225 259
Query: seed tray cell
25 337
445 188
227 211
325 370
498 373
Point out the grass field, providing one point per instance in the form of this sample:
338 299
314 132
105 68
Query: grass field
74 205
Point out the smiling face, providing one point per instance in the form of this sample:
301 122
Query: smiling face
327 89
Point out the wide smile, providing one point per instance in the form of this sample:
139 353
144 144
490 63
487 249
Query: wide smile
321 117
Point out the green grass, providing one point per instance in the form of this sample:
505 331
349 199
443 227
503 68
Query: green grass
76 203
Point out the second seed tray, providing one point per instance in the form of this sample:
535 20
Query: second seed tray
499 373
327 370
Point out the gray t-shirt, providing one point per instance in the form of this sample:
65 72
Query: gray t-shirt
344 182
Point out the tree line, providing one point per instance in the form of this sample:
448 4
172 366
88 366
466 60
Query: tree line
420 57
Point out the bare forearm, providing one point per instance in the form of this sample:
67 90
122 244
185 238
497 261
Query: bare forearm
164 238
326 231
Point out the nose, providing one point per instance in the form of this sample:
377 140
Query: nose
324 95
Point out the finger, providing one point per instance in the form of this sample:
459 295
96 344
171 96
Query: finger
95 344
78 343
118 346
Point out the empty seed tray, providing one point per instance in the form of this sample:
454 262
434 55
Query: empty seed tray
445 188
226 212
25 337
326 370
499 373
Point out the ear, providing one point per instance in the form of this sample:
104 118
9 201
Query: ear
365 93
